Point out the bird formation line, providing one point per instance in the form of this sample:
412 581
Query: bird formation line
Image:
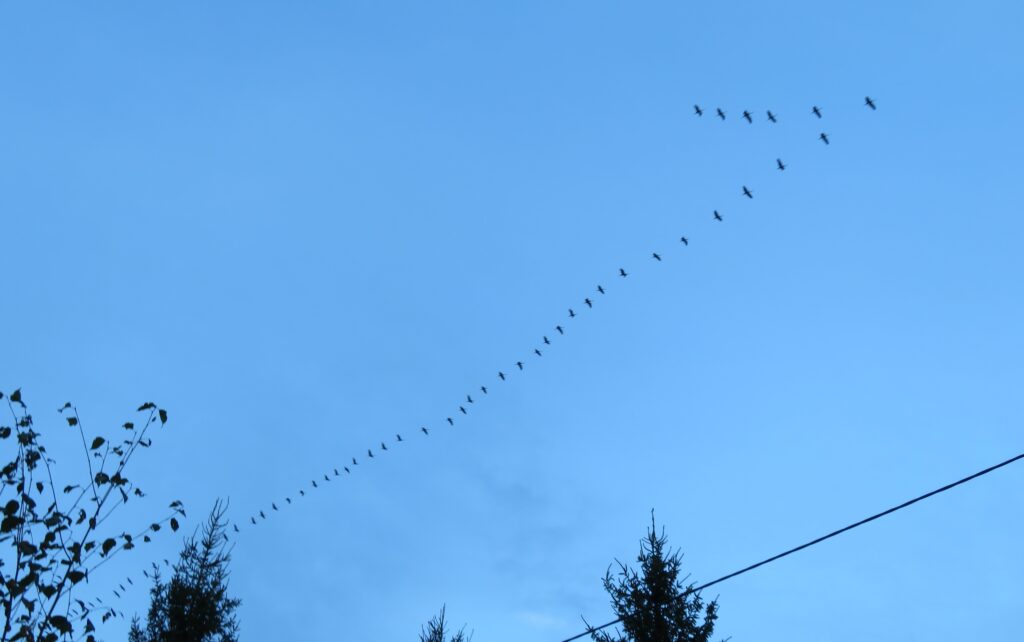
352 463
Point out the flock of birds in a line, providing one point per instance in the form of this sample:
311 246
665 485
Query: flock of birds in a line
462 408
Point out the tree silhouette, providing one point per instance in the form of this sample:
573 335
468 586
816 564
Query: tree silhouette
435 631
653 603
49 551
193 606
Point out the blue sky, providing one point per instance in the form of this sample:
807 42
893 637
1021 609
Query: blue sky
303 228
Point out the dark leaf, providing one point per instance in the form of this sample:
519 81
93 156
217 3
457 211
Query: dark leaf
5 432
26 548
174 524
60 623
128 425
11 507
76 576
163 416
96 443
147 406
72 421
108 544
16 397
67 404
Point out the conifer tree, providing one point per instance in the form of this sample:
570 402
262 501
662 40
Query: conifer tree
435 631
193 606
653 603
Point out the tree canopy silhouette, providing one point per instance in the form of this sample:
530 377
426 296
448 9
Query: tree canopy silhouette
436 629
48 551
193 606
653 603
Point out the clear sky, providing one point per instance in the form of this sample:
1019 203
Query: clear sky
305 227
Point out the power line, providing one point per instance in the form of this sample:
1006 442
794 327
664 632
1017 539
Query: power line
818 540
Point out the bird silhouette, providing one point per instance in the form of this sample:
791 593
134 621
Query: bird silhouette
782 166
236 528
824 138
354 462
622 273
462 410
263 515
547 341
721 114
383 446
771 116
369 453
117 594
451 422
252 519
684 240
501 375
537 352
469 399
483 389
572 315
398 437
520 364
746 192
336 473
274 506
302 493
345 468
746 114
288 499
697 110
589 303
600 289
817 112
424 429
655 256
560 330
870 103
718 217
327 479
313 481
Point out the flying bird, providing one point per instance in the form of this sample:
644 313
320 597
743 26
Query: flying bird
451 422
622 273
302 493
469 399
336 473
782 166
501 375
483 389
313 481
746 114
589 303
721 114
398 437
771 116
537 352
236 528
572 315
697 110
520 364
547 341
462 410
560 330
274 506
370 453
252 519
354 462
746 192
817 112
345 468
870 103
684 240
327 479
824 137
655 256
718 217
289 499
263 515
383 446
600 289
